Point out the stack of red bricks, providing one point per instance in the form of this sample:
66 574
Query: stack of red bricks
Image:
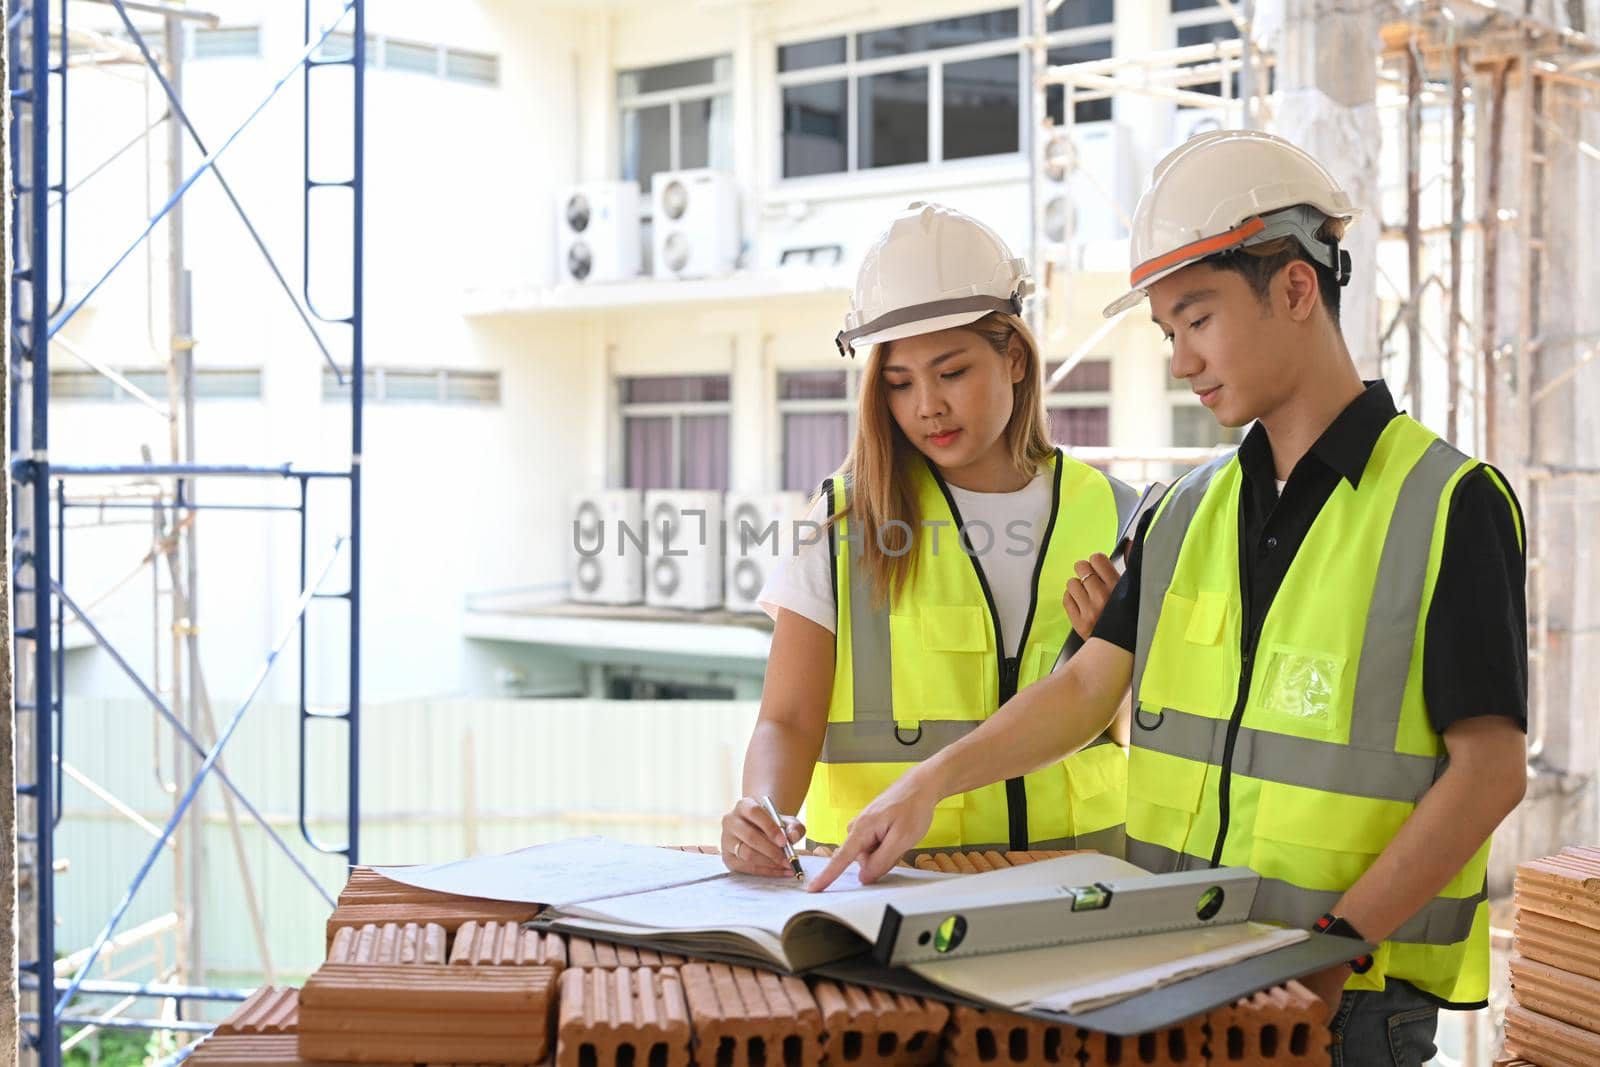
416 978
1555 963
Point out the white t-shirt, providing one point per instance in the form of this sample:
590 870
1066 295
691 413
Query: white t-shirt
802 581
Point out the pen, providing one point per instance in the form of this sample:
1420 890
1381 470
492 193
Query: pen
788 849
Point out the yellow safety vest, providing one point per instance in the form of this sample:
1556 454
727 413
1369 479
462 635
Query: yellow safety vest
912 676
1302 761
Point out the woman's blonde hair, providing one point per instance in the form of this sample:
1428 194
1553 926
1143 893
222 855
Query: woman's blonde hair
884 518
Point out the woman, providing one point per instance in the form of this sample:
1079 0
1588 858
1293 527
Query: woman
952 528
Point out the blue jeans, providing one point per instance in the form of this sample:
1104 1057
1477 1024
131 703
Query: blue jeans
1394 1028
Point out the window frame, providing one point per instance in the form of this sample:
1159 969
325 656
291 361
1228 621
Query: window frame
236 32
375 390
1099 399
205 381
671 98
853 69
677 410
1204 16
848 405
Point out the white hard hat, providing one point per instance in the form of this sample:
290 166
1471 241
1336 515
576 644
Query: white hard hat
1225 190
932 269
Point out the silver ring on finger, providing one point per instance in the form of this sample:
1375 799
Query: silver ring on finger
737 845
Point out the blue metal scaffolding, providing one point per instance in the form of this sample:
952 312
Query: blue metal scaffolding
38 65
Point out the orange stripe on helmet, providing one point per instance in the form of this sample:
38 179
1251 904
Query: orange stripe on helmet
1194 250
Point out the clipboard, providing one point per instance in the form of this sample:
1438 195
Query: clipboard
1143 1012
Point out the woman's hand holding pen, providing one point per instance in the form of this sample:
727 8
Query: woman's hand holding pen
751 843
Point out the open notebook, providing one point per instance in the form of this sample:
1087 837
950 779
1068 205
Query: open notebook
691 904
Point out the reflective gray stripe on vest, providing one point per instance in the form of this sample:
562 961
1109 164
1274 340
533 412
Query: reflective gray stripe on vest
1159 560
871 676
1112 841
1396 608
1158 859
1442 921
1323 765
1054 844
880 741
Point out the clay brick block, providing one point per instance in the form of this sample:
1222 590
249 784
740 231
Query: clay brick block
743 1017
447 915
1017 859
1180 1045
1282 1025
389 943
977 1037
1572 998
1565 886
877 1028
1548 1042
1557 942
507 944
251 1050
366 886
268 1010
962 862
612 1018
417 1013
958 862
582 952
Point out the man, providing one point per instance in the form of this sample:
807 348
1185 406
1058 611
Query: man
1325 631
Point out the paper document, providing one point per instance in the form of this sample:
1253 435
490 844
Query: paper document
1092 974
766 903
771 920
563 872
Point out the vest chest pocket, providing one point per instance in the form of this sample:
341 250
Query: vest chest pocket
1191 663
943 660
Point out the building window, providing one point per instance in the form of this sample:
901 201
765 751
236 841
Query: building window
1086 51
817 410
210 383
417 385
417 57
674 432
1201 22
676 116
1079 407
226 41
924 92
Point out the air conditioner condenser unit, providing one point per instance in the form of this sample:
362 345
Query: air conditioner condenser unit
597 232
695 223
761 531
683 560
607 557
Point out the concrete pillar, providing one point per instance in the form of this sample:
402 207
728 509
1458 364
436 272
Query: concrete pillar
1327 76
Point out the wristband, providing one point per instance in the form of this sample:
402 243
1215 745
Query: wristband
1339 927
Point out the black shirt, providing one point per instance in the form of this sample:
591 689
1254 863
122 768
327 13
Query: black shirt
1475 647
